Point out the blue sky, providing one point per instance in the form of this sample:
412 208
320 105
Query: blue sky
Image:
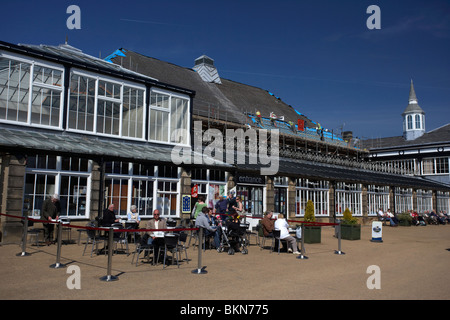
318 56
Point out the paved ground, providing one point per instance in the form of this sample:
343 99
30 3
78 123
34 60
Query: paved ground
414 264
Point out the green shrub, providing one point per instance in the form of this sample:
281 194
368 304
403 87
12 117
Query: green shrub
309 212
405 216
348 218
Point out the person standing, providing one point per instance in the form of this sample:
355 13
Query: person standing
51 210
198 207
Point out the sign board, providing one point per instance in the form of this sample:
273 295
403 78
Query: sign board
377 231
300 125
194 191
186 203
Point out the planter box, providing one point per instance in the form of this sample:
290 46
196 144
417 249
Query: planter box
351 231
404 223
313 234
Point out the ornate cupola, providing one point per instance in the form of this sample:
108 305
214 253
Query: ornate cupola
413 117
204 66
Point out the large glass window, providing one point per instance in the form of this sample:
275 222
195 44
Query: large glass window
252 199
403 199
30 92
210 183
443 201
424 200
348 195
147 186
168 112
435 166
69 177
378 198
105 106
315 190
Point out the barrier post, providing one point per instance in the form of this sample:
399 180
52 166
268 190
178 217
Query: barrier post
24 253
200 269
58 265
302 250
109 276
338 251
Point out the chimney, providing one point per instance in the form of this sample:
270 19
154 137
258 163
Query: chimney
204 66
347 136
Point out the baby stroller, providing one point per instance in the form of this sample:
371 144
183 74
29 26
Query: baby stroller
234 238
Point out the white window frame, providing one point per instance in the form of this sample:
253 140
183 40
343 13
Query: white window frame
320 196
97 78
130 178
58 173
351 199
377 197
60 89
168 111
403 199
424 200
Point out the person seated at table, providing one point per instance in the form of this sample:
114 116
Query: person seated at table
268 224
156 238
205 220
133 215
282 225
109 217
392 218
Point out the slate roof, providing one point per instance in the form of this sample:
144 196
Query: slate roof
321 171
70 143
73 57
440 135
229 101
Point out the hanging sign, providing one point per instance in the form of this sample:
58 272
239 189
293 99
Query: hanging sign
194 191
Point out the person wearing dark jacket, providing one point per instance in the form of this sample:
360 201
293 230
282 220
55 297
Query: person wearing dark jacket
109 217
221 207
51 210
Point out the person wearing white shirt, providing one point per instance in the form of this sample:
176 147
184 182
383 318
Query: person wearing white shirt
282 225
133 215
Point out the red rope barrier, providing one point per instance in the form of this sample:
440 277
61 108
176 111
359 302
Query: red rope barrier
100 228
152 230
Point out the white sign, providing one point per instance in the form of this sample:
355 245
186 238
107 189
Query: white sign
377 231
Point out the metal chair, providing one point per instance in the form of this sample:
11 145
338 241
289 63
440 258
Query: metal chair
65 222
170 245
182 244
34 232
250 233
94 237
143 246
276 237
120 237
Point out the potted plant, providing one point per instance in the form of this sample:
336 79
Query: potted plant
404 219
350 228
312 233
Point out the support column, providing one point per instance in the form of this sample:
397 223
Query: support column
12 190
